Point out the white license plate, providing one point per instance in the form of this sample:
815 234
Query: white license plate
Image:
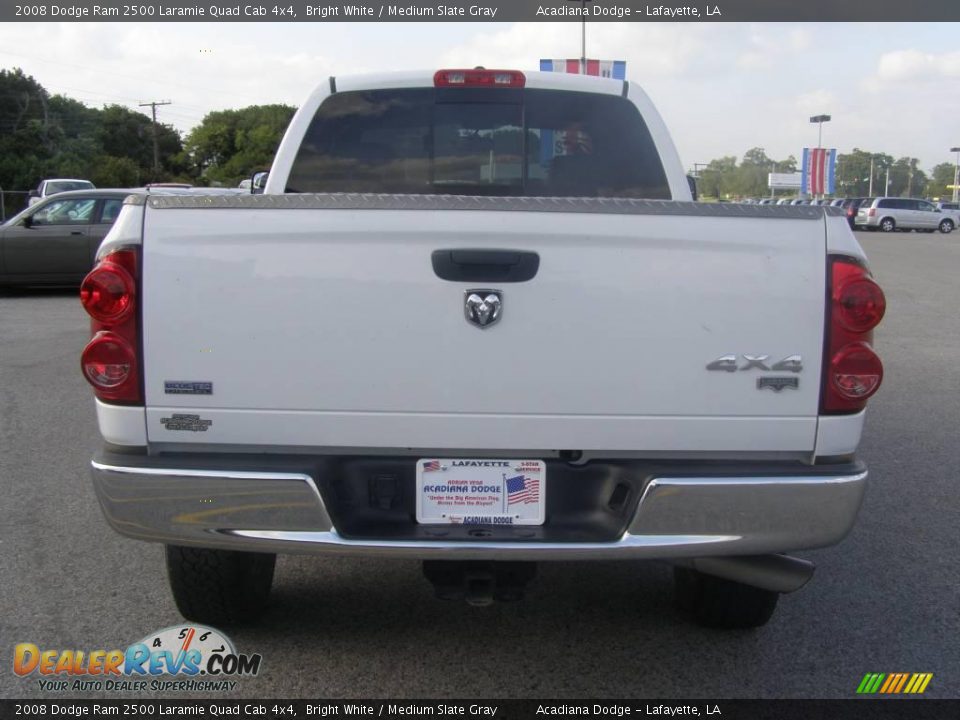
469 491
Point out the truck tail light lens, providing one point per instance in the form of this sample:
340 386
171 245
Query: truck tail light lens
107 293
872 212
479 78
108 361
859 302
111 360
856 371
852 371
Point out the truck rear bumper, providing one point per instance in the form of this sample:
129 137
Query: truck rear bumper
764 508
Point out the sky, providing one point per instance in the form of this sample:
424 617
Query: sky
722 88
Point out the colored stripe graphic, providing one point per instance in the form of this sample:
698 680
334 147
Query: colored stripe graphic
616 69
805 172
894 683
832 174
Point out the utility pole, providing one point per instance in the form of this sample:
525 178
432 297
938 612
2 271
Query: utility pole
870 191
156 147
956 173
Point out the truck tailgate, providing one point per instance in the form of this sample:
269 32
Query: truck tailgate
329 328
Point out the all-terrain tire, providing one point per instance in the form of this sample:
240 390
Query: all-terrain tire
718 603
219 587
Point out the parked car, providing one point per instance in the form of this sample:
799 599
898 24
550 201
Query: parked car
46 188
838 202
372 385
54 241
893 213
951 210
766 201
850 206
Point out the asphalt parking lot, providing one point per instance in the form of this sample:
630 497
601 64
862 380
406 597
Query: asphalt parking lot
885 600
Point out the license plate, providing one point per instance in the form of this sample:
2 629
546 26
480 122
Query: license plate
467 491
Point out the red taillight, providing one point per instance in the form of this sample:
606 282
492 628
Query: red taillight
856 371
110 365
107 293
858 300
479 78
852 370
872 212
110 361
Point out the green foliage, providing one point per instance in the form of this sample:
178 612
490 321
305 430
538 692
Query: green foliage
724 178
115 172
44 136
229 145
941 176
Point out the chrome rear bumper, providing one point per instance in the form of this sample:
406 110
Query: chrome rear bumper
283 512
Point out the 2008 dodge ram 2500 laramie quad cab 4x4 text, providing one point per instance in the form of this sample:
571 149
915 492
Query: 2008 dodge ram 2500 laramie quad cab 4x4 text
477 318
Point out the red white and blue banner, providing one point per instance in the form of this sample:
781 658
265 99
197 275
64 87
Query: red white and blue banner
616 69
819 171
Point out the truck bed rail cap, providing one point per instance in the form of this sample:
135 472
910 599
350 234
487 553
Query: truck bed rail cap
378 201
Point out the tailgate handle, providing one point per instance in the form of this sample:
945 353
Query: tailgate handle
485 265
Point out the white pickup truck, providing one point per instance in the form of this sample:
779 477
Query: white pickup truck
478 319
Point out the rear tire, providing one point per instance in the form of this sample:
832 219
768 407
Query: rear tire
219 587
718 603
946 226
888 225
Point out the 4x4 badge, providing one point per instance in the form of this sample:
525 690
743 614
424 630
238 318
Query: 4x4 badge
728 363
482 307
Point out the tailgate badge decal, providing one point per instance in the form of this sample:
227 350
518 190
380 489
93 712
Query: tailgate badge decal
728 363
186 421
482 307
778 383
180 387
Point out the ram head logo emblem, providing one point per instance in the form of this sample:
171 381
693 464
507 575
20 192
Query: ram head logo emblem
482 307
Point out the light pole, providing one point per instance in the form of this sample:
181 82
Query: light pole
583 35
820 120
956 172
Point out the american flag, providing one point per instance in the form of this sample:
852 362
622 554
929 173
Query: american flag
431 465
523 490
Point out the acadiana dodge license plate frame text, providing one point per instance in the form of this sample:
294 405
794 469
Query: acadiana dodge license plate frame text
480 491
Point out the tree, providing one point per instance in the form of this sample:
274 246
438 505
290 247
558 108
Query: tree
43 136
719 177
906 178
853 172
230 144
751 177
941 176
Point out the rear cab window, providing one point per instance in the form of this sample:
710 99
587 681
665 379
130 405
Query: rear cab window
460 141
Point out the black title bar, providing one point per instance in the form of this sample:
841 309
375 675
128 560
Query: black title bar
479 10
238 709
